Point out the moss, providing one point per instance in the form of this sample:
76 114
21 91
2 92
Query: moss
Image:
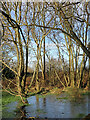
63 98
8 98
42 96
81 115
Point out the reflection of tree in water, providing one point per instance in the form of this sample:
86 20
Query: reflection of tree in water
44 102
22 112
37 101
37 105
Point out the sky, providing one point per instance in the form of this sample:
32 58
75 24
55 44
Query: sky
49 46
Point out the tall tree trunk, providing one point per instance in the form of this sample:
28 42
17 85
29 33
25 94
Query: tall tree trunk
89 75
76 66
21 66
69 59
50 72
26 68
26 46
72 73
44 47
44 61
37 71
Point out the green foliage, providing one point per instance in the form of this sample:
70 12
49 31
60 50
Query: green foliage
62 98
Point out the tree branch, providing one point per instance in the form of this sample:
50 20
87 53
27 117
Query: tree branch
9 67
13 23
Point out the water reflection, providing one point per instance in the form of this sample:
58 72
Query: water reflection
51 107
37 101
88 103
23 112
44 102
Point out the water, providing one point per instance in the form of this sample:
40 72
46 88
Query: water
51 107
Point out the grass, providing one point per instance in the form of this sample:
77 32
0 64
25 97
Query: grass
56 90
72 92
8 98
75 94
76 91
63 98
44 95
85 93
69 93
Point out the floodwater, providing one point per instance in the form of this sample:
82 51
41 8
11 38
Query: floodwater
52 106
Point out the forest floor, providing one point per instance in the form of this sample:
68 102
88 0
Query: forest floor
73 92
56 90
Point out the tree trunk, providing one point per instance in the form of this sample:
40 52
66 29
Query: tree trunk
37 71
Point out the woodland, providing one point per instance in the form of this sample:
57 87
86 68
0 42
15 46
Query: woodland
44 45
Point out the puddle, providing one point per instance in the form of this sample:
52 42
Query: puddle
52 106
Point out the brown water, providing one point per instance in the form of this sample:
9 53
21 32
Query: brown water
51 107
